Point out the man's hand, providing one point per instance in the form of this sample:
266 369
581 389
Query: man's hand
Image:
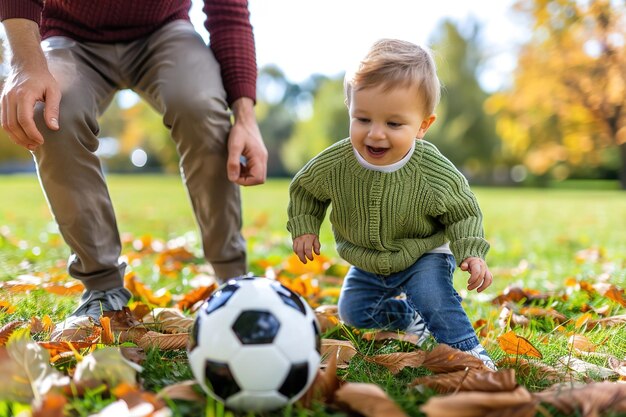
245 141
480 276
305 245
29 82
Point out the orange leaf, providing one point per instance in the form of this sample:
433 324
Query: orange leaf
7 307
582 320
107 334
7 330
195 295
517 345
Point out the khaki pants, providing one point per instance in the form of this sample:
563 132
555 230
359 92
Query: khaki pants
178 75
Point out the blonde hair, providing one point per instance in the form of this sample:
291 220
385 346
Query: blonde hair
392 63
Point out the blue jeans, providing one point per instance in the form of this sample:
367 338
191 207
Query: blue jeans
369 301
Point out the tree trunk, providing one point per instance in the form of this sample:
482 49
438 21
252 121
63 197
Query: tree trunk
622 172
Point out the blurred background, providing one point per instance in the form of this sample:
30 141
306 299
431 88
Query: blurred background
534 90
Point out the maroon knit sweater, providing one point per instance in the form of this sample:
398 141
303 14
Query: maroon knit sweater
228 23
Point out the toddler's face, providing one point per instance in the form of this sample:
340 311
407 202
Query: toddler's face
384 124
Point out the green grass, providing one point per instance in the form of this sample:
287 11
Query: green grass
535 236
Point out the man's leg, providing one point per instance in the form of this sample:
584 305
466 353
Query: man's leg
70 172
181 78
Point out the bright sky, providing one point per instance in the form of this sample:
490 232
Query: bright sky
330 36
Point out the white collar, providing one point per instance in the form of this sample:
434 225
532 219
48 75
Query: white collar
385 168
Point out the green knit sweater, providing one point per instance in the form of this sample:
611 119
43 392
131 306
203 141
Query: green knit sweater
383 222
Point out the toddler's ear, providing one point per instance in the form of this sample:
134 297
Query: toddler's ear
426 123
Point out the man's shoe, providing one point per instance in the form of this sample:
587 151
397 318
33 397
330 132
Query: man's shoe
92 304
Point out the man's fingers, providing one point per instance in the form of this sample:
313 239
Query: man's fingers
316 245
26 121
234 167
51 110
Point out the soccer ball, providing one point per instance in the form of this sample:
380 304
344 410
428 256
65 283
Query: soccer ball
255 345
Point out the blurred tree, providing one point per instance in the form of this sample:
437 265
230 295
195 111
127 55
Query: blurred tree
276 113
327 123
567 106
463 131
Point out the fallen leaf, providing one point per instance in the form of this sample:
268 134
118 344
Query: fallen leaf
106 365
618 366
325 384
396 362
368 400
107 334
52 405
581 343
195 295
342 350
590 400
386 335
470 380
7 330
27 366
518 403
517 345
534 369
182 391
586 368
444 358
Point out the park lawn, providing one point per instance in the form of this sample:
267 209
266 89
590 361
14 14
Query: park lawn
540 238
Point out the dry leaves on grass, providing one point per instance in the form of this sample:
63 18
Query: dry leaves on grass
518 403
589 400
368 400
396 362
513 344
470 380
444 358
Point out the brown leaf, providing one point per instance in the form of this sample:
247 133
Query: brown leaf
518 403
534 369
325 385
444 358
134 354
396 362
342 350
52 405
617 365
124 324
7 330
368 399
182 391
581 343
517 345
327 316
543 312
385 335
590 400
472 380
607 321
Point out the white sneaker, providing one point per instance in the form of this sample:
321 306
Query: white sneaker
479 352
418 328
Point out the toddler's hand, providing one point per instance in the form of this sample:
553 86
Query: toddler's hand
480 276
305 245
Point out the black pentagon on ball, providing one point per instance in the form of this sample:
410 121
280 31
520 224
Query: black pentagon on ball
220 296
289 297
296 379
220 379
193 336
256 327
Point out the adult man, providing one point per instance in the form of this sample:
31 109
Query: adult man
57 88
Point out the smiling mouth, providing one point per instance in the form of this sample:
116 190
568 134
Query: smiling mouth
376 151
